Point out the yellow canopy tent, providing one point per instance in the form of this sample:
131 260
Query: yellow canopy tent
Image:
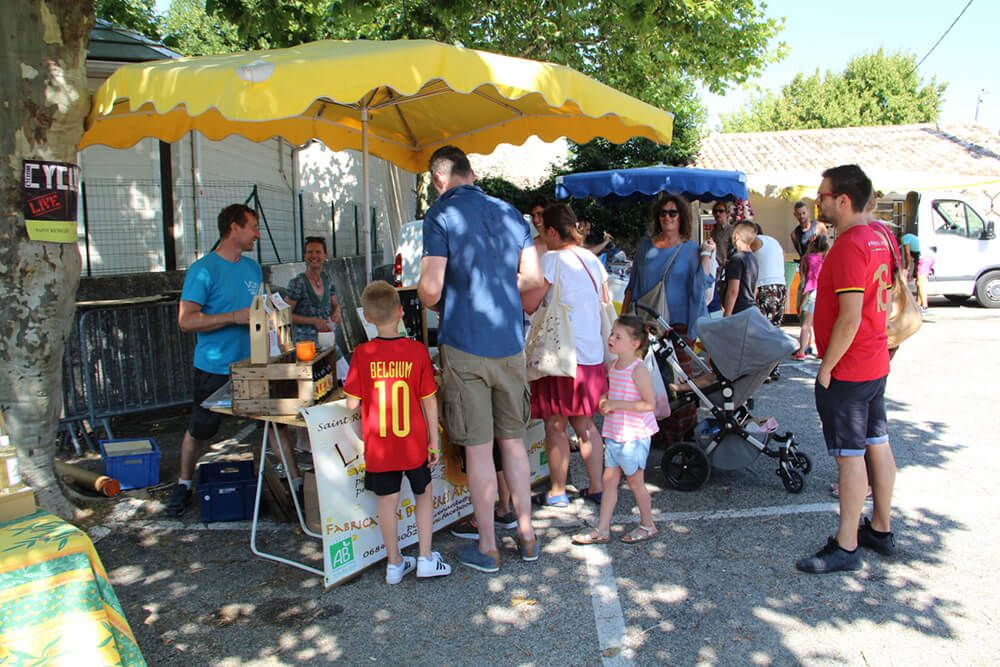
398 100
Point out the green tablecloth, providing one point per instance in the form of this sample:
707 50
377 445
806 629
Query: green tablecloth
56 603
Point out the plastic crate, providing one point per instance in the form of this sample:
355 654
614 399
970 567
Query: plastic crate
133 470
226 490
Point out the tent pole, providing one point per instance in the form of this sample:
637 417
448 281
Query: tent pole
366 211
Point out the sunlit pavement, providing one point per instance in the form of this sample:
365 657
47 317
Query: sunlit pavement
717 586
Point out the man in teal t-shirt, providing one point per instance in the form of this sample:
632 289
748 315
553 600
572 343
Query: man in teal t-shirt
215 304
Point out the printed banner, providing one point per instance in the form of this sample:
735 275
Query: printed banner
49 194
349 513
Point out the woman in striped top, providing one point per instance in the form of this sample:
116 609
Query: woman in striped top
628 424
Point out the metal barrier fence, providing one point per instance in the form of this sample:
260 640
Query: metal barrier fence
121 360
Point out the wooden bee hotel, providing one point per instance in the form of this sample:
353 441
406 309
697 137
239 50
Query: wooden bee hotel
276 380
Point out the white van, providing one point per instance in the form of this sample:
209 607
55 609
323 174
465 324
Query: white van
964 245
406 267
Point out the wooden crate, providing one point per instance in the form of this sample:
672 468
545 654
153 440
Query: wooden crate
284 385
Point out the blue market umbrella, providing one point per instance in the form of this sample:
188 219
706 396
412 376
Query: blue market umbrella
644 182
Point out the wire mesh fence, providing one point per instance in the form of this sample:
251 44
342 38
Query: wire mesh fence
125 231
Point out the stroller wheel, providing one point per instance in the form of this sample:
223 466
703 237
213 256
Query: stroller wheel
793 481
802 461
685 466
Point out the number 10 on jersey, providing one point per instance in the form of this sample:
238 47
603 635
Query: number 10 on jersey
394 407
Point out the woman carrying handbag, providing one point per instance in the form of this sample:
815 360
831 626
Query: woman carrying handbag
574 279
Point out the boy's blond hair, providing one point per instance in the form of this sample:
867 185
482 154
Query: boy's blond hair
745 232
380 302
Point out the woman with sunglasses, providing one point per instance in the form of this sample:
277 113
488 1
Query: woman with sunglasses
670 255
312 296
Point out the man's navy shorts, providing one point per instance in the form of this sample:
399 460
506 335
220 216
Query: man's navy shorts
204 423
853 415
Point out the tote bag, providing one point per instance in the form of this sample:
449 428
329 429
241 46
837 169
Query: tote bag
904 318
607 310
550 349
656 298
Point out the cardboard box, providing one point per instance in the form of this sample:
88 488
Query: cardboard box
15 505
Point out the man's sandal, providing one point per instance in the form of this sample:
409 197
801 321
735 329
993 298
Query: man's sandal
640 534
593 537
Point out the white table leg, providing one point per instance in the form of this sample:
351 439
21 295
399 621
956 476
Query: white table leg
256 511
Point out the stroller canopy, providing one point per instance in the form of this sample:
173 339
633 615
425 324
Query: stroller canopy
644 182
744 343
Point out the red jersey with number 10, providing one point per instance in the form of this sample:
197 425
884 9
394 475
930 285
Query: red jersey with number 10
390 376
858 261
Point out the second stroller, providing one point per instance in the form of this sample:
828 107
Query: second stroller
744 349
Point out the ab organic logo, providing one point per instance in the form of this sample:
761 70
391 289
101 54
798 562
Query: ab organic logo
342 553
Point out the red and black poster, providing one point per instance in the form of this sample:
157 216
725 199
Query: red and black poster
49 191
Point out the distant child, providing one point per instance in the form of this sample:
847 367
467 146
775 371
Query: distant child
809 267
741 272
391 378
628 424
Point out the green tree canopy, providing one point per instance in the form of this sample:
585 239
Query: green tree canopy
874 89
656 50
137 15
189 29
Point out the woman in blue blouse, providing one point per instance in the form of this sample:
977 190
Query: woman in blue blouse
689 277
690 274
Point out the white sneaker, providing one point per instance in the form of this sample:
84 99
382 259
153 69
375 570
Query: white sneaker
395 573
433 566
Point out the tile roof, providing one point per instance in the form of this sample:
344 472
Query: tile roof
950 150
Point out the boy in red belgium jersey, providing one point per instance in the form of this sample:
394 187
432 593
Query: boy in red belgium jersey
391 378
852 303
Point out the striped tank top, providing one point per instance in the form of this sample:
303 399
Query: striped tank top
625 425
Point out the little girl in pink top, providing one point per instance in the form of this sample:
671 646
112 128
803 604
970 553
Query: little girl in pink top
628 424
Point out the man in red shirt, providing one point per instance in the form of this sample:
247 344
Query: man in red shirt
852 302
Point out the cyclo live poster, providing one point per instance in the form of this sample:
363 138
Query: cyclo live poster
49 193
349 513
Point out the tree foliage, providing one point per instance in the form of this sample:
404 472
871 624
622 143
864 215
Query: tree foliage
874 89
655 50
189 29
137 15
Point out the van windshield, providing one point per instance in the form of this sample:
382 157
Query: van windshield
956 218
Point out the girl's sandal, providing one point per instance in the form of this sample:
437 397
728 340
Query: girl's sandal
593 537
640 534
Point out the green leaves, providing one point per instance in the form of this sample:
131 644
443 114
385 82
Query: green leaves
874 89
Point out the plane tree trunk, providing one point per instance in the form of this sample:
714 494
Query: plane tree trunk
44 102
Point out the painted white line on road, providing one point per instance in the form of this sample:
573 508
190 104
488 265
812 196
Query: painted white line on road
608 615
658 517
748 513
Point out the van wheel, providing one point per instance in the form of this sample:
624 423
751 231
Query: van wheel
988 289
957 298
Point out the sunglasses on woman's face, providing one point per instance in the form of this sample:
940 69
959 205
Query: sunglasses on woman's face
669 213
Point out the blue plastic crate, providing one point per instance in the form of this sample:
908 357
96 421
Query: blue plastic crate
133 471
226 490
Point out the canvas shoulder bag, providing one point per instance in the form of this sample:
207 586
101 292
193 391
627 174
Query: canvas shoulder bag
656 298
550 348
904 317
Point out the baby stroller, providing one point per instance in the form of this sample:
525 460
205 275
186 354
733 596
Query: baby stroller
744 349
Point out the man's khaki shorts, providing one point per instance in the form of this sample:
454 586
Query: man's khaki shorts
483 397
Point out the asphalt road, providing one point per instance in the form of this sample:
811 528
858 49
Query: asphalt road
717 587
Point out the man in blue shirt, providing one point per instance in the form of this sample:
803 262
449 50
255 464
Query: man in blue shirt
478 258
215 303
